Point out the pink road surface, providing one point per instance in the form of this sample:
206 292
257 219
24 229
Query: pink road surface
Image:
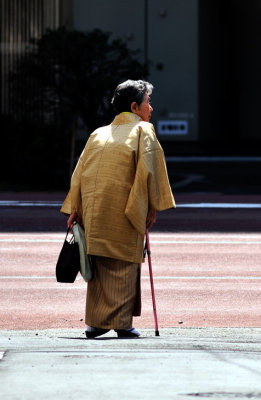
200 279
206 264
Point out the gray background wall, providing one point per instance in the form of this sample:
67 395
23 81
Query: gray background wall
172 49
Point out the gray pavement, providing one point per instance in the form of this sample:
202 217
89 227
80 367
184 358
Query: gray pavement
183 363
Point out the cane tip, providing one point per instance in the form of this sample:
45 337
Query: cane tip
157 333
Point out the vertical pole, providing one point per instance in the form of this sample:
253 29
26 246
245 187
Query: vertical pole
3 56
146 30
73 137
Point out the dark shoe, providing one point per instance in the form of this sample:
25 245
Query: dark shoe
94 332
127 333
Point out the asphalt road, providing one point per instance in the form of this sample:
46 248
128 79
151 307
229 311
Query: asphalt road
206 264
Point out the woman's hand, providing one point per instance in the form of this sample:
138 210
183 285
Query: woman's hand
73 217
151 218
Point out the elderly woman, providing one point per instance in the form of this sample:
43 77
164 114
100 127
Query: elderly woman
119 183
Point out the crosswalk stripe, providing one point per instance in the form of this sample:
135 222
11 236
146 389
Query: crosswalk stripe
34 277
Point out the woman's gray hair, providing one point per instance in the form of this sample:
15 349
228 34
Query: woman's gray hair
128 92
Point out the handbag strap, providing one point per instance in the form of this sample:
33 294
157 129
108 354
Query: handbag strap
67 233
145 250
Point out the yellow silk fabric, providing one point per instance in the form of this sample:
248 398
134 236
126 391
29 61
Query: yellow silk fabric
120 174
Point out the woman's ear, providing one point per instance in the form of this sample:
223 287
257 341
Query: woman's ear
134 107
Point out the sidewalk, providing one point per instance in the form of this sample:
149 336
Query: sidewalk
183 363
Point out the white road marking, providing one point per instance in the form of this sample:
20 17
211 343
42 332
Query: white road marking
204 242
31 240
244 242
19 203
203 277
33 277
219 205
2 353
229 235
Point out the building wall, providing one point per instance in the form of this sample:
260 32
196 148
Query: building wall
20 21
229 73
167 34
204 58
249 56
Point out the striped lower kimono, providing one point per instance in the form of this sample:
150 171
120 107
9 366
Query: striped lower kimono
113 295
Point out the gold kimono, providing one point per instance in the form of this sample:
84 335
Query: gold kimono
121 173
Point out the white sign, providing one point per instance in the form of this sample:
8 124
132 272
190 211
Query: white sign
173 127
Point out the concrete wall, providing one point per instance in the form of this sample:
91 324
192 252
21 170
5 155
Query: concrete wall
172 37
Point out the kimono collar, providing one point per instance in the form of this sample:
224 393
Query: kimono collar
126 118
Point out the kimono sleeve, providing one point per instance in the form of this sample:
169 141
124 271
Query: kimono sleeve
151 188
73 200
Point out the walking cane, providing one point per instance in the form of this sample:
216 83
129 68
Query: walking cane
151 284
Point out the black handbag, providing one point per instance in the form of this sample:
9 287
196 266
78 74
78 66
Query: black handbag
68 264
